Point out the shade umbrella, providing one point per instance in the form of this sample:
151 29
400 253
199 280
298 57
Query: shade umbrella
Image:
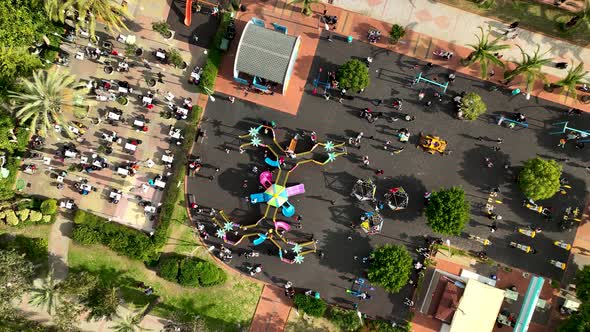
278 195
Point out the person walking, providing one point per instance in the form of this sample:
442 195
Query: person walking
562 142
366 161
379 172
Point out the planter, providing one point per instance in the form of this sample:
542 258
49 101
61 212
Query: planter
183 65
109 69
138 51
123 100
585 99
549 87
167 34
151 82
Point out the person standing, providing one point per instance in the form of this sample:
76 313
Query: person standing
366 161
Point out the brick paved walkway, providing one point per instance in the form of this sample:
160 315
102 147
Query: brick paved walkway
272 311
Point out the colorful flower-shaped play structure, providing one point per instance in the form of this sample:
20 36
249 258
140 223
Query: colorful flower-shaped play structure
276 195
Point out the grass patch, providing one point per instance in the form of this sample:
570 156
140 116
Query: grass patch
532 15
299 323
38 231
223 307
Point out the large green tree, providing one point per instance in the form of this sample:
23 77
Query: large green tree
15 279
484 52
390 267
15 62
448 211
102 303
539 178
353 75
530 67
42 100
472 106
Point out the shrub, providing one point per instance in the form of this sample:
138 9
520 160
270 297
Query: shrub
390 267
175 58
189 272
214 56
397 32
11 218
23 214
162 28
34 249
346 320
47 219
383 326
168 268
539 178
472 106
49 206
210 274
353 75
447 211
35 216
310 305
127 241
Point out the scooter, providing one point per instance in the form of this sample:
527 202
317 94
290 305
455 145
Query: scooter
251 254
531 205
527 232
481 240
443 54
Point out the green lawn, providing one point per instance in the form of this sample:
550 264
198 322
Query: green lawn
531 15
39 231
223 307
297 323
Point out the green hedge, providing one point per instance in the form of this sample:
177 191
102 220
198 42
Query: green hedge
49 206
92 229
34 249
190 271
310 305
346 320
168 268
214 56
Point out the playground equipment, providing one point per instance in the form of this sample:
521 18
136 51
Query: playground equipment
396 198
512 123
527 232
525 248
318 83
359 287
432 144
563 128
420 78
563 245
479 239
371 222
276 195
364 190
531 205
558 264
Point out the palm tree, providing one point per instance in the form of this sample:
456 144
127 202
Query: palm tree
47 294
131 322
574 77
305 6
109 12
530 67
43 100
485 52
88 12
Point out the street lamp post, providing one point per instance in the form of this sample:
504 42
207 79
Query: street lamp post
449 245
209 93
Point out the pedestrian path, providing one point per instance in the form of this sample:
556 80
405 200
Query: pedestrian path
431 26
272 311
458 27
59 243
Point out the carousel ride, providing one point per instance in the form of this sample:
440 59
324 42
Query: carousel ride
270 228
371 222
